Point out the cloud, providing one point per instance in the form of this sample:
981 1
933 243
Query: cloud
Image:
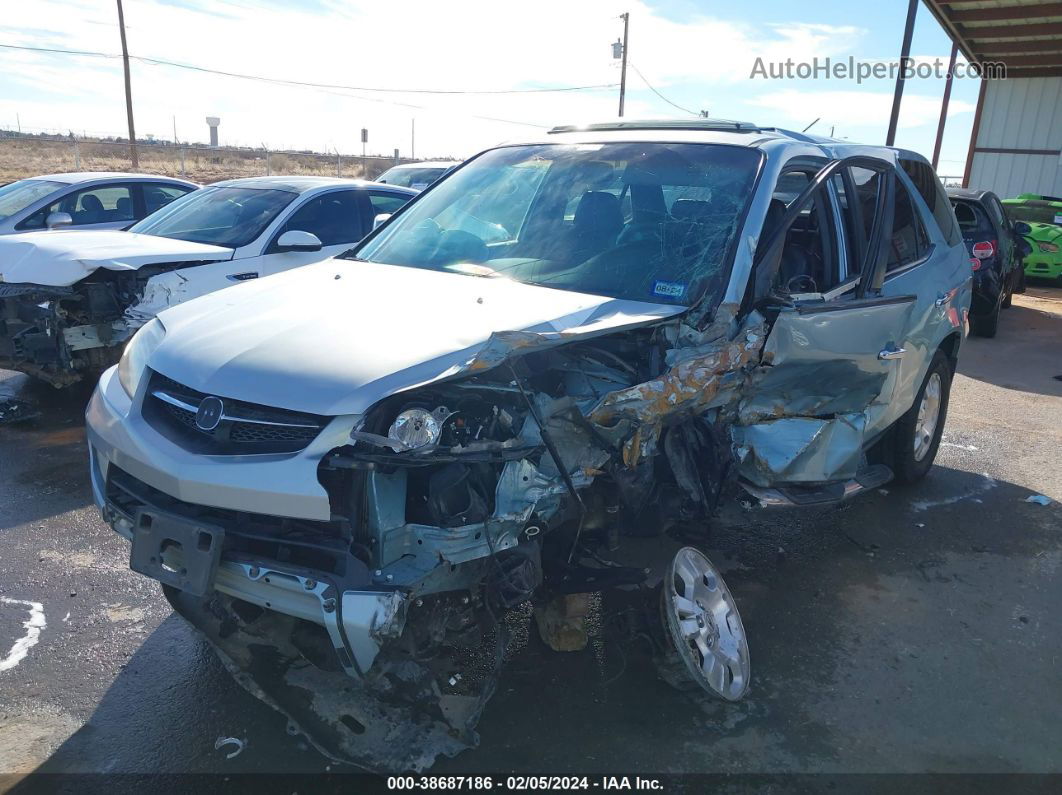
482 44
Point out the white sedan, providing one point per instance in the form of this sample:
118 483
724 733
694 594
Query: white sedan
88 200
70 299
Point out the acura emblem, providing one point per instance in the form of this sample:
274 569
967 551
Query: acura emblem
210 412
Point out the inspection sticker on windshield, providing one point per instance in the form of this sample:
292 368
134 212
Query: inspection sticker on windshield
669 289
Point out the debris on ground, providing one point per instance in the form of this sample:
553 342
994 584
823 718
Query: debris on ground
1039 499
13 410
221 742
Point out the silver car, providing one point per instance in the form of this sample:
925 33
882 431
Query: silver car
88 200
345 476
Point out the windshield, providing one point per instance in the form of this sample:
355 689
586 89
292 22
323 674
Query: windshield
17 196
412 177
641 221
1035 215
230 217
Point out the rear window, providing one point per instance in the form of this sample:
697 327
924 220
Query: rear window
971 217
932 192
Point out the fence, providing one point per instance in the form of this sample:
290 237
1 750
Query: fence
28 156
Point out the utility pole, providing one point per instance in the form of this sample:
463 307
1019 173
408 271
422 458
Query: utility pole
175 131
626 17
412 139
128 90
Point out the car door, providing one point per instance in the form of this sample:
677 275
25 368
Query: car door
837 340
336 217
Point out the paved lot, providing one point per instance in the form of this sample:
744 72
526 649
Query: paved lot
917 630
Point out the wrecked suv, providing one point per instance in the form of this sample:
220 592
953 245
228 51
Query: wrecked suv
347 476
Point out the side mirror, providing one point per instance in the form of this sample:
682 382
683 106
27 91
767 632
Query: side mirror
58 220
380 219
1022 228
297 240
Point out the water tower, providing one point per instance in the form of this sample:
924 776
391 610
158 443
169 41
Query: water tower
213 122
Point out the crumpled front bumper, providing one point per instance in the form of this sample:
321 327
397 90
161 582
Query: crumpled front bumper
358 621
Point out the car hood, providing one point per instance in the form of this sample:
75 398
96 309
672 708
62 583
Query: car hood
337 336
61 258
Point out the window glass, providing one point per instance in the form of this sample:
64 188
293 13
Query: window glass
388 203
507 214
333 217
1035 213
855 239
417 178
933 194
17 196
972 219
908 243
158 196
100 205
220 216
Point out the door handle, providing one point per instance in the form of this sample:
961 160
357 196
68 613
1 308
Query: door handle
242 277
891 353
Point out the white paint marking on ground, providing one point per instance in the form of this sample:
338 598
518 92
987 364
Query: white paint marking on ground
33 627
987 484
968 447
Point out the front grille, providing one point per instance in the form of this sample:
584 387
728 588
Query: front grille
245 428
249 537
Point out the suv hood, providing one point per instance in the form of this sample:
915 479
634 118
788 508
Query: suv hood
61 258
337 336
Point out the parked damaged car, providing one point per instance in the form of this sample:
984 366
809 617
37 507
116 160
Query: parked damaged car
345 476
70 299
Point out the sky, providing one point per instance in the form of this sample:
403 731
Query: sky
697 55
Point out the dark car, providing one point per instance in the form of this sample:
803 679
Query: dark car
996 252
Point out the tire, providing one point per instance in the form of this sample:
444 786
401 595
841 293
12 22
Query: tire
1009 294
986 326
1020 286
911 462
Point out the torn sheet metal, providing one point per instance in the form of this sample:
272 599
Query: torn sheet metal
799 449
399 722
700 377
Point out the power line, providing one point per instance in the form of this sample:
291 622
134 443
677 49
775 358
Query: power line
308 84
668 101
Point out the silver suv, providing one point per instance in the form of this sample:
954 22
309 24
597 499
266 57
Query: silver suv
347 474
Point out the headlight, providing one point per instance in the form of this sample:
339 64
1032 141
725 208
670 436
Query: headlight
1050 248
414 428
133 363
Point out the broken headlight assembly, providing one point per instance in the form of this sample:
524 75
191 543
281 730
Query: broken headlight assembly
416 427
133 364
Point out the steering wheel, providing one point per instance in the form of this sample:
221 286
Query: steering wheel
802 279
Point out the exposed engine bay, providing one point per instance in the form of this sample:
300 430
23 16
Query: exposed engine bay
63 334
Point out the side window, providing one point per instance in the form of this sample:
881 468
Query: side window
909 242
158 196
386 202
998 213
932 192
808 259
99 205
332 217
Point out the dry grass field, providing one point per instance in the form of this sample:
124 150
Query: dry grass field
30 157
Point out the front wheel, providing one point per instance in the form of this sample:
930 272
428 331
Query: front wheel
916 435
1009 290
1019 288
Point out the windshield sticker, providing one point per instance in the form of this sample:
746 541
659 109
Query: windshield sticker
1058 219
669 289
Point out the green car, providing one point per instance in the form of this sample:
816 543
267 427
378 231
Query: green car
1043 214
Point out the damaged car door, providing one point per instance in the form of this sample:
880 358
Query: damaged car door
830 366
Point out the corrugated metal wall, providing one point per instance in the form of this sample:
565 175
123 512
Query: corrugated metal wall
1021 113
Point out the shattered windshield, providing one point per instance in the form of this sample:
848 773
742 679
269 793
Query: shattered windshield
230 217
638 221
17 196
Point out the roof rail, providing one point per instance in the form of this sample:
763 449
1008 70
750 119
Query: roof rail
723 125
